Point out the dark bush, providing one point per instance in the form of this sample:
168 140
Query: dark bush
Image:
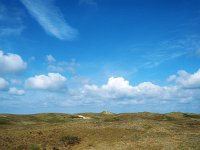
196 116
111 119
70 140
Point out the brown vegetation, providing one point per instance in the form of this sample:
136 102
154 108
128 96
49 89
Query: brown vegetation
102 131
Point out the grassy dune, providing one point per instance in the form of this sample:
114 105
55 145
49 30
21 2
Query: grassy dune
100 131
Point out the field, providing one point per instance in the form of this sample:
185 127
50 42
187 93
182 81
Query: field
100 131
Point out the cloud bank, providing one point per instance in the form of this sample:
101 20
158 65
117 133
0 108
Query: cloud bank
184 88
119 89
50 18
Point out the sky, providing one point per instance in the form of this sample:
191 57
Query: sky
99 55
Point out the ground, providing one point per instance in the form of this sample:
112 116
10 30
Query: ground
100 131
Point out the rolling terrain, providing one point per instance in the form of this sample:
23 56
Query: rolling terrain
100 131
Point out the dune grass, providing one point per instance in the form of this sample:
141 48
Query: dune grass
126 131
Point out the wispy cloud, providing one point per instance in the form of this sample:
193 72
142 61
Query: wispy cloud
10 20
50 59
50 18
61 66
154 60
7 31
170 50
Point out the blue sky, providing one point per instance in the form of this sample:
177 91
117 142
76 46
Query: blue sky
94 55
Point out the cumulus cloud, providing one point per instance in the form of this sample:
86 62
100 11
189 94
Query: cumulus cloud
11 63
118 84
119 90
3 84
186 80
15 91
52 81
50 18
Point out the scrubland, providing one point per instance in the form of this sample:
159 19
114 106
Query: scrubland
100 131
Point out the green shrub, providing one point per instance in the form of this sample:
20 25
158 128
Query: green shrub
4 121
170 118
44 147
70 140
34 147
22 147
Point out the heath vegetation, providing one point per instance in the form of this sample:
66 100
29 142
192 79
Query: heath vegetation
100 131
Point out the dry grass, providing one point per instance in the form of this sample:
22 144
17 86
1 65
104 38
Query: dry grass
102 132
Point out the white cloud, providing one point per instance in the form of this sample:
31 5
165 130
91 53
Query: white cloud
118 90
50 18
52 81
15 91
3 84
186 80
50 59
11 63
117 86
148 88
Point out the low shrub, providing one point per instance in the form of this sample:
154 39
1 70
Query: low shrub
191 116
34 147
111 119
70 140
